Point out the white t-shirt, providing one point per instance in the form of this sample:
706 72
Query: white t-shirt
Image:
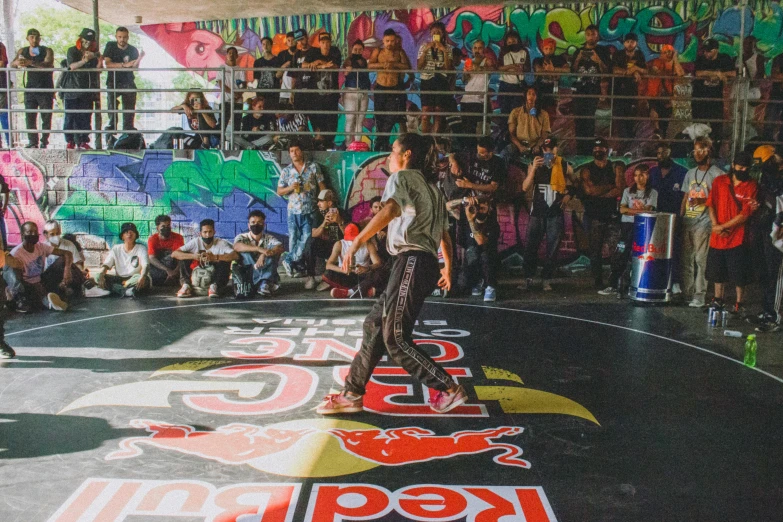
361 258
476 83
637 201
34 262
64 244
423 217
127 263
512 58
197 246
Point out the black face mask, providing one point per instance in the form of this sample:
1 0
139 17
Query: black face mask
257 229
208 240
165 231
742 175
481 217
600 155
665 163
514 47
30 239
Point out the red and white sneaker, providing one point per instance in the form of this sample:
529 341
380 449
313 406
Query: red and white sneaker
213 291
70 146
85 146
445 401
340 293
339 403
185 291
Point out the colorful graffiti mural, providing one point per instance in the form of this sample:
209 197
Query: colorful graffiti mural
93 193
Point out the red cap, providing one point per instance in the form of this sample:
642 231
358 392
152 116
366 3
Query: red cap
351 231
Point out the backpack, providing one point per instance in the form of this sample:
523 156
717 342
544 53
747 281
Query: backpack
242 277
127 142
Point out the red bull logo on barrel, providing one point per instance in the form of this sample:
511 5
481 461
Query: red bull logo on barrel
652 257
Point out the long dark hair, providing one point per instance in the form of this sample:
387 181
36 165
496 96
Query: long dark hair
648 188
423 154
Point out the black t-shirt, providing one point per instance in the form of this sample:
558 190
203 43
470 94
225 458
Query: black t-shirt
484 172
117 55
489 228
709 88
266 79
304 79
332 232
584 64
264 124
626 86
325 80
596 206
448 186
546 202
40 79
544 82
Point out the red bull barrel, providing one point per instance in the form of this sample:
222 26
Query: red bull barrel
652 257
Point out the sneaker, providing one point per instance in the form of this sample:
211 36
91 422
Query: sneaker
697 303
55 303
274 287
759 319
309 283
21 306
436 292
287 267
490 295
95 291
185 291
768 327
298 274
477 290
264 289
31 146
85 146
339 403
6 352
738 309
676 289
340 293
370 293
608 291
323 285
213 291
527 285
70 146
445 401
545 286
717 304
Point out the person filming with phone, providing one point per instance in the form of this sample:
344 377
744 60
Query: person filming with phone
328 228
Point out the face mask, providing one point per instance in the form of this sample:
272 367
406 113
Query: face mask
54 240
481 217
208 240
665 163
515 47
256 229
30 239
742 175
356 57
600 155
165 231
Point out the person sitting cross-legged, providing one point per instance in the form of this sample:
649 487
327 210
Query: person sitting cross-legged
259 255
131 265
52 277
164 268
328 228
364 275
210 263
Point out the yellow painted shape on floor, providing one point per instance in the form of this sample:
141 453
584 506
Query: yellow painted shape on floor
501 374
523 400
188 367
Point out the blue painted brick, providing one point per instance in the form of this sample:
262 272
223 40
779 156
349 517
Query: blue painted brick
139 198
112 184
226 230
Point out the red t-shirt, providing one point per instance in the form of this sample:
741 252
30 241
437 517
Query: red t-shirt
157 243
726 209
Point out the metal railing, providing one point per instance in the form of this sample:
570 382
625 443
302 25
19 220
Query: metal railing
233 87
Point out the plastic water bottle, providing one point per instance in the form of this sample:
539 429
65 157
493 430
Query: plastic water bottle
750 351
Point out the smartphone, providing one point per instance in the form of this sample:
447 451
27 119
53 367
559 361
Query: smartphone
548 158
436 38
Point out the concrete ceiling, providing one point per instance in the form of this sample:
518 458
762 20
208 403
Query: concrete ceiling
124 12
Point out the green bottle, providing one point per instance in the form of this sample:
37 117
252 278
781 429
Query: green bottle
750 351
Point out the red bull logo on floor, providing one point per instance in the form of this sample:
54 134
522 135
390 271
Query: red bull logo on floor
119 500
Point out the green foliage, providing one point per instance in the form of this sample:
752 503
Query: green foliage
60 29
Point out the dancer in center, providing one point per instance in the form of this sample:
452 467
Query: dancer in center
415 212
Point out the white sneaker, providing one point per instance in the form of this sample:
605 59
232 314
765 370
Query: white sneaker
322 286
309 283
696 303
96 291
607 291
55 303
213 291
676 289
274 287
185 291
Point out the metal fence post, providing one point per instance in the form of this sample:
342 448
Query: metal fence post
223 116
233 116
9 106
486 103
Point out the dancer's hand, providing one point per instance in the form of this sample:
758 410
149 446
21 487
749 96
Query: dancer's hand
445 278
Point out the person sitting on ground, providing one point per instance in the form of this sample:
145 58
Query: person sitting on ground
528 127
257 127
637 199
259 255
163 267
210 263
52 278
6 352
328 228
197 121
380 238
361 280
550 177
32 255
479 239
131 265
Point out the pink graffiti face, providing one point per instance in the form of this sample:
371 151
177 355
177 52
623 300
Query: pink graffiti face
26 183
202 50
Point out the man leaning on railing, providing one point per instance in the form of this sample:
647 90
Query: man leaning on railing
121 55
83 55
37 56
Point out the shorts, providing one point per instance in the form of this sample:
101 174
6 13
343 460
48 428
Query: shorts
441 101
729 265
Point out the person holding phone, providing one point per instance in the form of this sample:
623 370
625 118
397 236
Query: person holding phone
192 106
37 56
82 89
328 228
434 56
551 179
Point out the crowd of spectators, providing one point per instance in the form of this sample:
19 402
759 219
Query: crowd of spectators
456 88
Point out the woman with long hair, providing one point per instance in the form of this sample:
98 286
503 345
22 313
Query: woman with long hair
193 103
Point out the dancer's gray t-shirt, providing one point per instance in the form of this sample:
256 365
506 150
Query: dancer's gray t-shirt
423 218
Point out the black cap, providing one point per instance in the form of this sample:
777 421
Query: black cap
710 44
743 159
87 34
33 32
325 36
600 143
300 34
549 143
631 36
128 226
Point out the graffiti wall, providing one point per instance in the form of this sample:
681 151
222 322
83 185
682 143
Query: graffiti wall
92 193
